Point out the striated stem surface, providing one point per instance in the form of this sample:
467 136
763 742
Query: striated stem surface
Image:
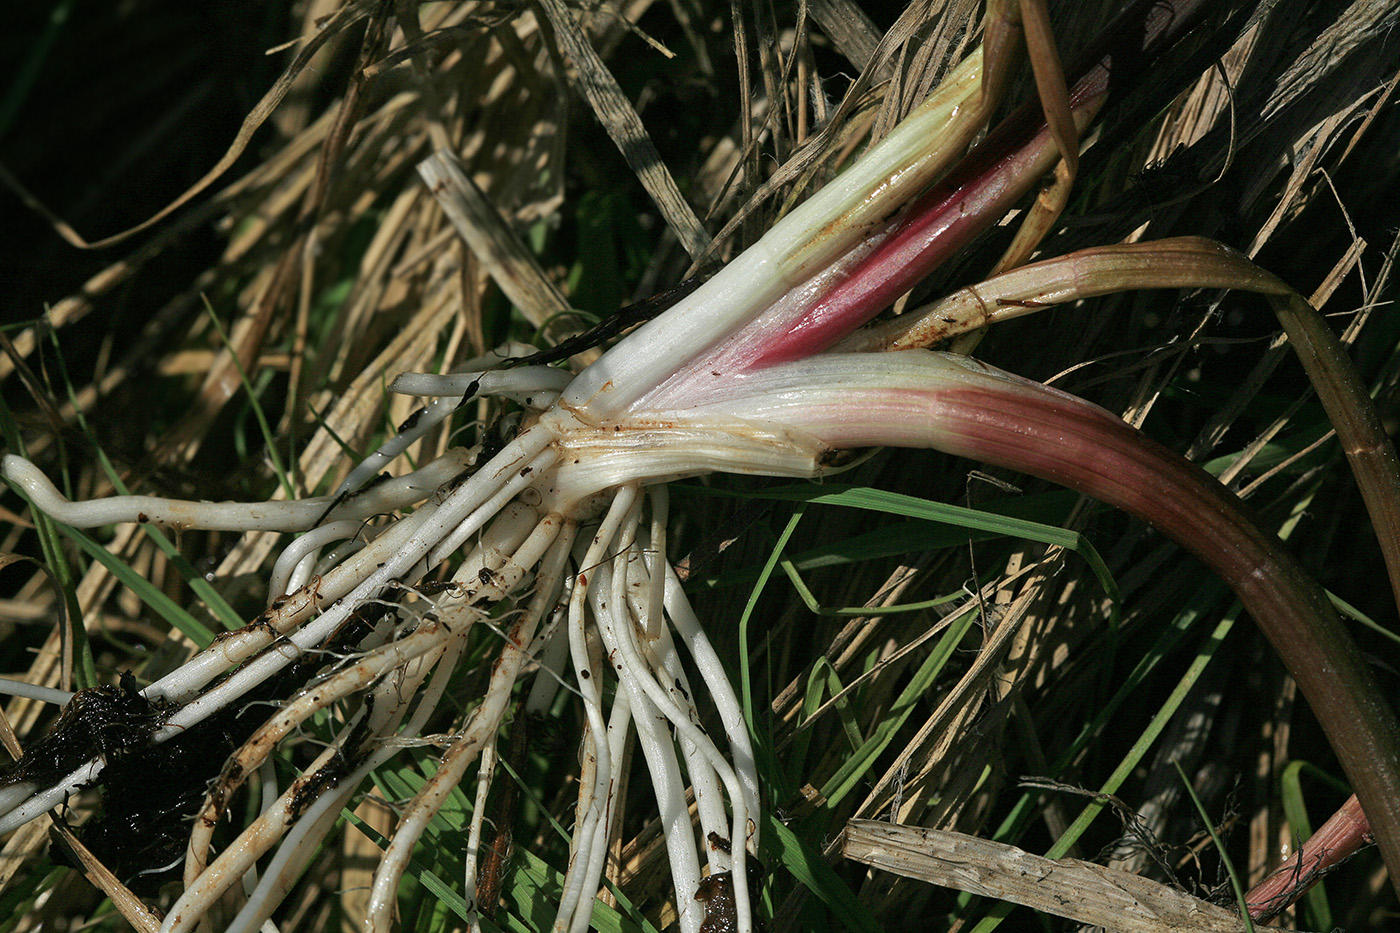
1068 441
922 399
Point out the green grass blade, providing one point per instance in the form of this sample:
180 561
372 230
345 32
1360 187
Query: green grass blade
22 81
1349 611
811 870
85 666
990 523
195 580
1295 809
853 770
805 593
202 588
1130 761
148 593
1235 884
440 889
761 747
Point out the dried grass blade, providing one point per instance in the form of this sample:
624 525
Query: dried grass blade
1059 117
1081 891
27 842
343 18
849 29
505 257
598 86
1225 416
1362 21
747 143
133 911
163 605
775 84
834 131
908 774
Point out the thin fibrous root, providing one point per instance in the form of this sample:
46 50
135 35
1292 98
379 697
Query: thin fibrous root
552 542
594 794
391 495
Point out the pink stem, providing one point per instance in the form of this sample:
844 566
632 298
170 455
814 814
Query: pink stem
1344 833
980 191
1011 422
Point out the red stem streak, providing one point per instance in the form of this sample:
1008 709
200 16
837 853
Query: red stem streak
984 186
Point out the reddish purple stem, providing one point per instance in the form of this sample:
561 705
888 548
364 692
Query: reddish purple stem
996 174
1341 837
1071 442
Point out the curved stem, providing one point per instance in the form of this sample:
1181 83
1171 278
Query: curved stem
962 407
1183 262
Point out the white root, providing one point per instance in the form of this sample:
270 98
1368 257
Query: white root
594 858
624 583
21 688
462 513
704 780
401 547
295 515
660 653
630 598
552 647
731 710
486 773
554 541
422 421
453 619
610 609
628 656
293 568
291 813
24 801
597 762
533 386
240 857
391 694
316 697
